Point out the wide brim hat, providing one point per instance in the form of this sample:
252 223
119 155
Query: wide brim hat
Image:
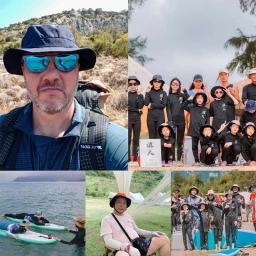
200 93
120 194
165 125
210 192
235 185
213 90
175 189
80 221
229 193
134 78
46 39
247 125
193 187
157 77
234 122
206 205
206 126
185 203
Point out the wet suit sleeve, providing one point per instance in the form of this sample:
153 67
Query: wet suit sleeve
211 111
244 151
244 94
78 239
168 110
116 150
140 101
147 99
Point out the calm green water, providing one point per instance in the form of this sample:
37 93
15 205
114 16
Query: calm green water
59 202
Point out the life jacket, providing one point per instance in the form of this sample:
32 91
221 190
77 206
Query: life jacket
91 148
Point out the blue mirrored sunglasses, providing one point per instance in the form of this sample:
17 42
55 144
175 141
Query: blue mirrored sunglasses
37 64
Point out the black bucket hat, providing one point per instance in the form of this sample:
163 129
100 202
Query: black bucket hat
213 90
165 125
235 185
206 126
247 125
47 38
234 122
134 78
120 194
200 93
185 203
157 77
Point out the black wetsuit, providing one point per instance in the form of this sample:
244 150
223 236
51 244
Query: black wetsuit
199 115
168 153
209 142
176 117
30 216
155 117
231 153
249 148
78 239
219 111
247 117
135 103
231 110
239 199
230 214
249 92
205 217
187 227
176 213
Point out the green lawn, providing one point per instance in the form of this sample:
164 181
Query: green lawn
146 217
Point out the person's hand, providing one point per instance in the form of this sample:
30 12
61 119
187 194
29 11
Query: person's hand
134 251
227 144
149 106
208 151
235 223
149 88
190 97
55 238
222 127
252 163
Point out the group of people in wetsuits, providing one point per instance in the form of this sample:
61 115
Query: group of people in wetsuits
212 212
212 119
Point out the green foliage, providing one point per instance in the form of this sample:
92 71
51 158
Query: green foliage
218 184
248 6
120 47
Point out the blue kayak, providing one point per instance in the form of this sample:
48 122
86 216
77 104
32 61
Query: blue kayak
230 252
245 238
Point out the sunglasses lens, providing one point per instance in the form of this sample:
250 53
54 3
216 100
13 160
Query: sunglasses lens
66 63
36 63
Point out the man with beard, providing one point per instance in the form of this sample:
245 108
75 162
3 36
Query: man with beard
53 131
239 199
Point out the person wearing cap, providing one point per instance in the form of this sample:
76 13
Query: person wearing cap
79 239
176 115
36 218
187 226
230 142
231 91
167 136
249 91
230 215
116 239
198 86
240 200
135 105
209 143
155 100
175 209
206 225
249 144
249 113
54 131
199 116
252 190
220 106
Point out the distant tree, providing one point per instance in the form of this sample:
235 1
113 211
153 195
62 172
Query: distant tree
244 45
248 5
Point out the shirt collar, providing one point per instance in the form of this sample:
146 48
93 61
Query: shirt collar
24 122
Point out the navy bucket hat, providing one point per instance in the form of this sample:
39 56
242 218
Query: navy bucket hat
47 38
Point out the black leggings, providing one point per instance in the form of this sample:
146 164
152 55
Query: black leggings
16 216
134 128
153 122
195 141
180 130
231 153
253 152
230 227
218 234
208 159
187 231
254 224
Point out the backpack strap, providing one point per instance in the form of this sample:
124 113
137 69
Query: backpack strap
93 141
8 140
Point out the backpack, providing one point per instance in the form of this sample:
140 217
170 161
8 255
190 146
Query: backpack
92 143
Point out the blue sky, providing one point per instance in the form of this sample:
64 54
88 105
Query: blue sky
13 11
